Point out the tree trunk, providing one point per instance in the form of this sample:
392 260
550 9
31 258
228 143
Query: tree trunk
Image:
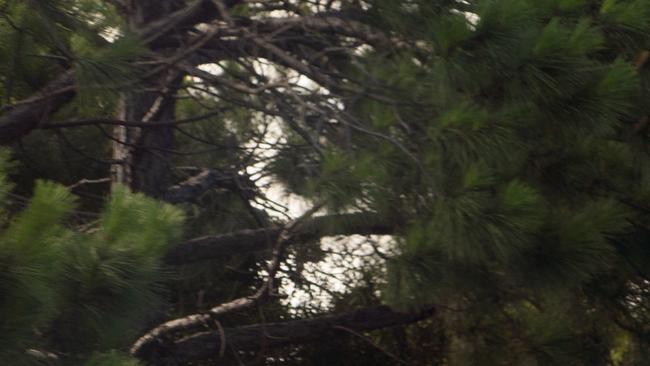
144 153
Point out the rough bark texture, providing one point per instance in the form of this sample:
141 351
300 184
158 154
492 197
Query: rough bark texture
144 153
213 344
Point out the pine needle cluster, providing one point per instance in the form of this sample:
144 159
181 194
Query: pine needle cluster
516 149
74 292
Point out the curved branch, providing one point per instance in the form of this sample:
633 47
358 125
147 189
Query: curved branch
301 229
206 345
167 330
26 115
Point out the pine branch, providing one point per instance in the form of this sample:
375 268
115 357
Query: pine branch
206 345
245 241
168 329
24 116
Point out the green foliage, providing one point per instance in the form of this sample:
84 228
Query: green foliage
507 139
115 270
30 249
38 39
109 65
81 291
510 153
103 70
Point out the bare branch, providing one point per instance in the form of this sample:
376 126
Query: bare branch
22 117
168 329
205 345
245 241
26 115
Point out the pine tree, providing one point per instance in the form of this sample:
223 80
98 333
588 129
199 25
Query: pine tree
514 147
502 144
75 293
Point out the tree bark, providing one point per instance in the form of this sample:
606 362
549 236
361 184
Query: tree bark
214 344
21 118
246 241
144 153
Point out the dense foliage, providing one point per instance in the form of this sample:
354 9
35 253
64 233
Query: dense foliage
500 147
86 290
526 196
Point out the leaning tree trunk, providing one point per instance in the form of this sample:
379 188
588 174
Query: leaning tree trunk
143 153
